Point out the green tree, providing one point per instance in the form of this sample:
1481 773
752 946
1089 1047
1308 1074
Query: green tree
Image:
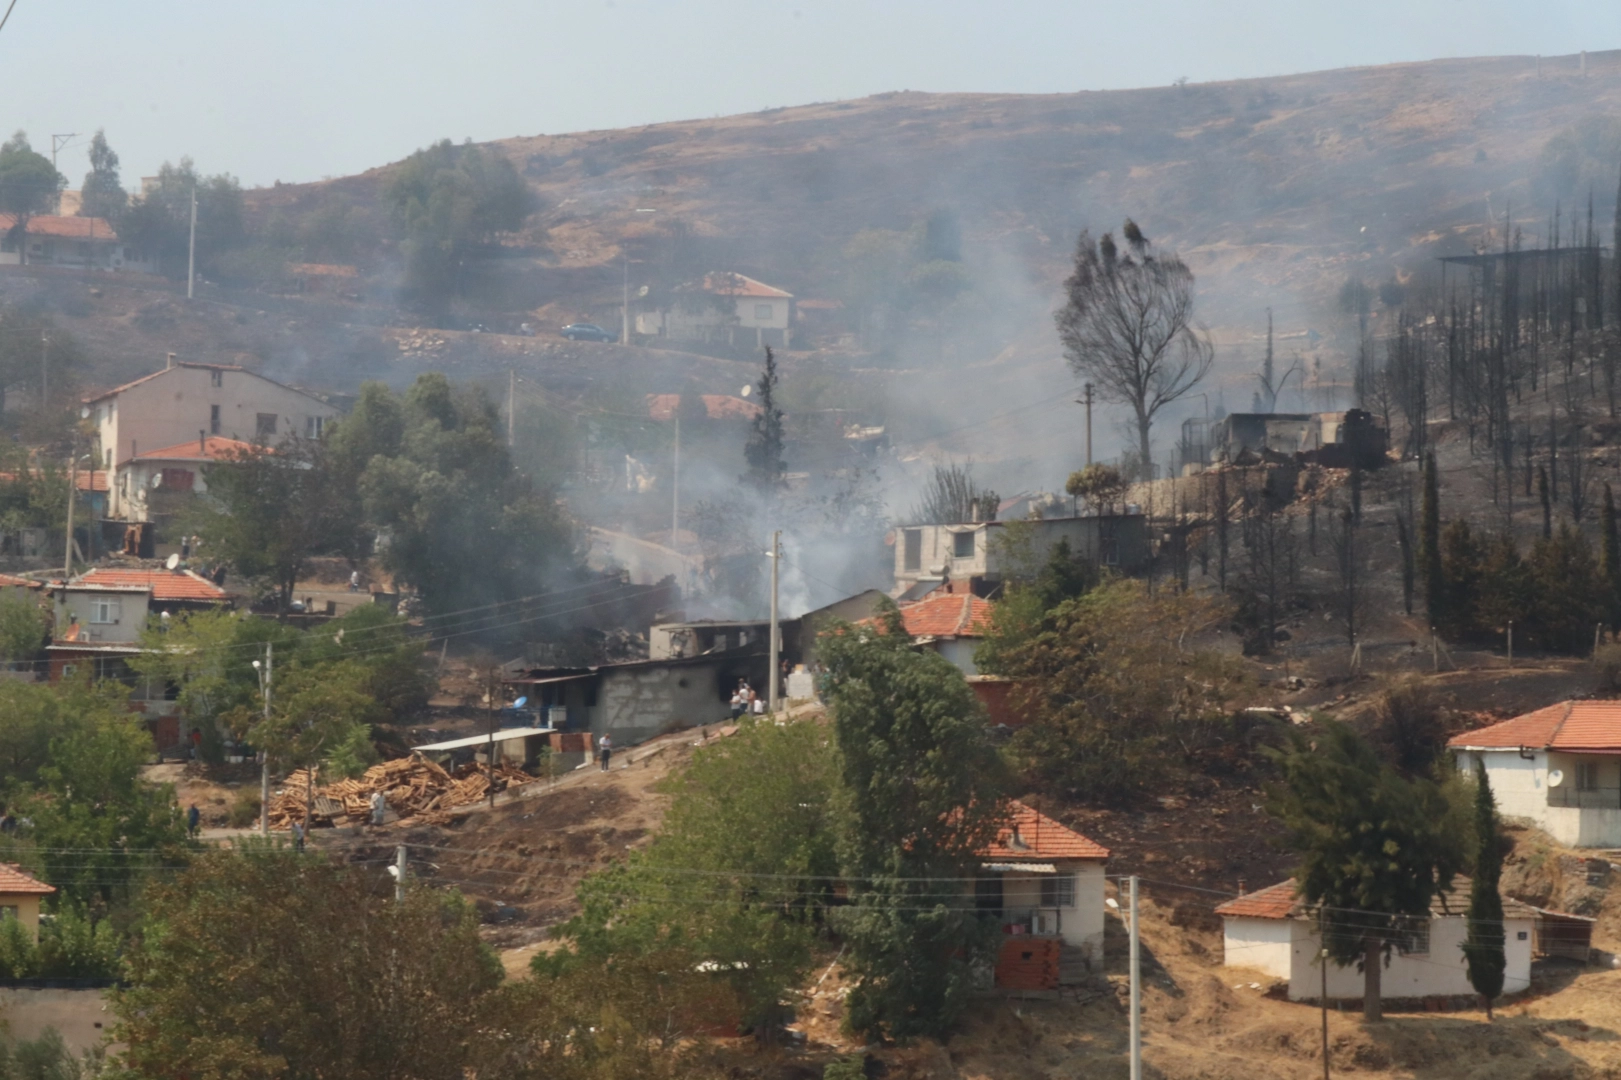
1429 545
1375 849
269 509
317 710
1100 485
1610 559
328 976
22 629
737 878
1483 951
1463 561
1566 606
1504 592
158 221
922 788
102 194
763 451
448 202
29 184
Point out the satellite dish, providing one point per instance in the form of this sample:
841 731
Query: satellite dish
1556 777
84 413
173 562
157 480
747 390
520 703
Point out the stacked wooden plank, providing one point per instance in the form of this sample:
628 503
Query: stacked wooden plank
412 786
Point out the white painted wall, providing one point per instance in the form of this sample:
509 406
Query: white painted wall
1263 944
1080 924
960 651
1441 972
132 607
1521 789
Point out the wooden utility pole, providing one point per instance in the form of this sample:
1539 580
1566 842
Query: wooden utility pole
774 682
489 752
264 755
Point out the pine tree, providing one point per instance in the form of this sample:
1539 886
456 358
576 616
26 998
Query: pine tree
1610 559
1374 848
1483 951
1429 545
763 452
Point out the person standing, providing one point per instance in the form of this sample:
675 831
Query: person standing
605 749
379 807
194 820
737 703
298 837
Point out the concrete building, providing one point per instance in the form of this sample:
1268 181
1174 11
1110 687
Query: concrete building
185 402
721 308
1336 439
950 623
980 555
20 894
1558 768
1272 931
51 240
147 479
1044 883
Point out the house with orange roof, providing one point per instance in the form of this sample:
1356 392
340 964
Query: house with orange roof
1273 931
720 307
1558 768
949 623
20 894
62 240
1043 883
145 481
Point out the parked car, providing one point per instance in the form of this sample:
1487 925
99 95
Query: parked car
587 332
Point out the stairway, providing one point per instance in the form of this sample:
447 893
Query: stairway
1073 966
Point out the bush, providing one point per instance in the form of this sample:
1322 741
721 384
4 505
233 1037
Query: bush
19 956
244 810
73 946
1607 668
1408 726
852 1067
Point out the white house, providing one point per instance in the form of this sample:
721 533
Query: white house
1043 880
176 468
983 553
185 402
53 240
1272 931
719 307
1558 768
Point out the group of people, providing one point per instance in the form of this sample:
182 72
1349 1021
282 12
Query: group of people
745 700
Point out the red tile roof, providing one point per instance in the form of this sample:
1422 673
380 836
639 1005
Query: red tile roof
718 406
945 615
14 882
10 581
1039 837
724 284
212 448
103 395
1592 726
171 585
66 228
1282 901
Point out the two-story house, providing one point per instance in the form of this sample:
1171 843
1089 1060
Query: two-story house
720 307
980 555
186 403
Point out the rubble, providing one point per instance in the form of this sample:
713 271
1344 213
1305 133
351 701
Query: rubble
414 787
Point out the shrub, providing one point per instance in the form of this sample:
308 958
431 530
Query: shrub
244 810
1607 668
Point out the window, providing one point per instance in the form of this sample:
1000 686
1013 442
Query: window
912 551
106 459
216 378
1587 776
178 479
962 545
762 311
988 893
1418 938
313 426
8 911
1058 891
213 419
105 612
265 425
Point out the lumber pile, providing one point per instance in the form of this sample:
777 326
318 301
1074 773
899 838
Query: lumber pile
413 787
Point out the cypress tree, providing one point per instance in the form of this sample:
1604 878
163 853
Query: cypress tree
1547 502
1483 950
1429 545
1610 557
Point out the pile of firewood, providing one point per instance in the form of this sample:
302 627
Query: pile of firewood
413 786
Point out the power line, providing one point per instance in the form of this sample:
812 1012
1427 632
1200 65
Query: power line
7 15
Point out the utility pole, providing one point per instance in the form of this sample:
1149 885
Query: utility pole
675 481
489 750
773 683
1322 962
264 755
191 248
44 370
512 404
399 874
60 142
73 485
624 312
1087 401
1136 989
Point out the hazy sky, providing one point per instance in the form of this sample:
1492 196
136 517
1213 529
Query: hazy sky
300 89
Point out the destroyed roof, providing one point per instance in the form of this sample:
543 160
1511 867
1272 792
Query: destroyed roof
64 228
1031 835
210 448
165 585
14 881
1282 901
1575 726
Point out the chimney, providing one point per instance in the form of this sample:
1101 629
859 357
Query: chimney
170 363
202 441
1241 889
